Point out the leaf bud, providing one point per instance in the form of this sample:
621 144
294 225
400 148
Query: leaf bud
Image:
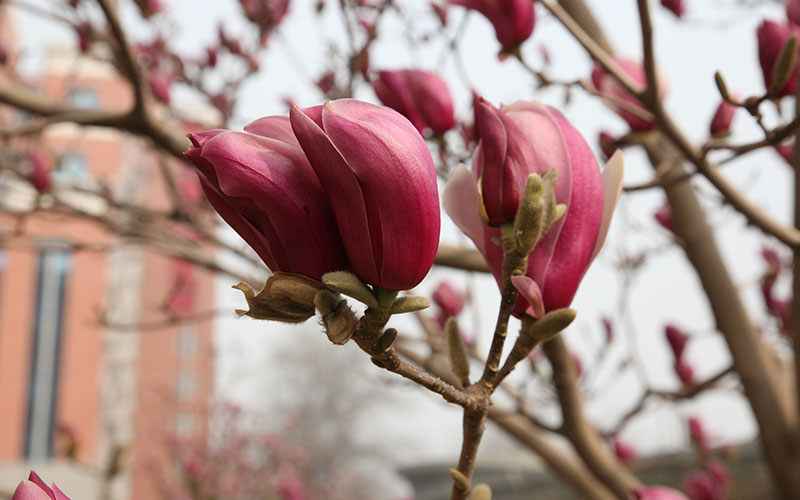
552 323
482 492
409 303
459 363
348 284
530 214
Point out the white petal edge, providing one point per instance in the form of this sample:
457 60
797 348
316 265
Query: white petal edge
612 188
460 200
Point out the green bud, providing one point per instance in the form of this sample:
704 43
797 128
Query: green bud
286 297
410 303
783 69
459 363
549 179
388 338
327 301
528 223
348 284
722 87
482 492
552 323
460 480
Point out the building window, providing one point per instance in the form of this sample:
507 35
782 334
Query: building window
187 341
185 385
54 263
83 97
71 168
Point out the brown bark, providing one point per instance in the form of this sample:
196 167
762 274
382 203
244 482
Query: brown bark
587 442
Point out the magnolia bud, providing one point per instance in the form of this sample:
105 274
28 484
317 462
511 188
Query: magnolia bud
340 325
388 338
530 216
552 323
285 297
785 66
482 492
455 347
460 480
409 303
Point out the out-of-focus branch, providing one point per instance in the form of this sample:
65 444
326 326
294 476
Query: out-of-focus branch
131 68
564 465
461 258
587 442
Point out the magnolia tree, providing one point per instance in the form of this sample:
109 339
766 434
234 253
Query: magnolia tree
341 201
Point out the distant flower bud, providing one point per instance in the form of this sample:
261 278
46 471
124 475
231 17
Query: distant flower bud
657 493
513 20
448 299
723 118
664 217
685 372
677 339
674 6
772 38
624 452
420 96
40 171
612 90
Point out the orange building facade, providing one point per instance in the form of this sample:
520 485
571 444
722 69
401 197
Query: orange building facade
90 393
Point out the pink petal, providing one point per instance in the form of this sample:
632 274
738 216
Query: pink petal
612 188
273 127
343 190
395 168
461 202
532 293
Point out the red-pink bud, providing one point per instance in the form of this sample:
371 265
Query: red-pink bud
677 339
149 8
608 326
518 140
261 183
657 493
786 150
697 433
771 39
40 171
719 474
223 103
211 57
290 488
664 217
685 372
793 11
699 486
84 32
448 299
36 489
619 99
160 84
607 144
513 20
624 452
440 9
420 96
674 6
326 82
379 178
723 118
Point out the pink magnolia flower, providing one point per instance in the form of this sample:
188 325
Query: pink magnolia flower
657 493
513 20
624 452
722 120
771 39
786 150
448 299
515 141
619 99
40 172
674 6
160 84
149 8
84 31
793 11
266 14
697 433
420 96
211 57
664 217
290 488
35 489
334 187
685 372
677 339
